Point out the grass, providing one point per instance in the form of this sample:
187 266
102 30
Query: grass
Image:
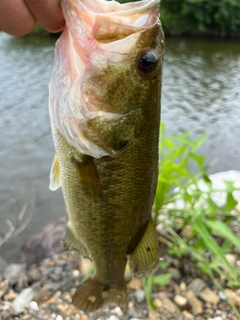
182 203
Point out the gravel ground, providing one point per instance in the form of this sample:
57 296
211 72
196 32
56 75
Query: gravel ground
41 284
44 292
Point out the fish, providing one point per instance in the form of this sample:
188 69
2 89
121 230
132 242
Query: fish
104 104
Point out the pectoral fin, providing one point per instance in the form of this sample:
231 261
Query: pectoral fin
145 258
88 176
55 181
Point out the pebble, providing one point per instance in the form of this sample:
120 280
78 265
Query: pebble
182 287
33 305
208 295
5 310
187 315
112 317
140 295
180 301
132 313
196 304
187 232
222 296
233 296
169 307
11 295
153 315
53 299
197 285
43 294
175 273
135 284
14 271
76 273
22 300
117 311
180 317
231 258
3 288
158 304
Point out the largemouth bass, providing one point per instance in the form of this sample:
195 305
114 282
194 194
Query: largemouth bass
105 113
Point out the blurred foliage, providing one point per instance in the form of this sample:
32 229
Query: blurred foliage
185 201
201 16
213 17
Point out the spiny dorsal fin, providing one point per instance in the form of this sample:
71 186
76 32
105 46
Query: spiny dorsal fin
55 181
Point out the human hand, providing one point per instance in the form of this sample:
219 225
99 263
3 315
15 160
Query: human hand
18 17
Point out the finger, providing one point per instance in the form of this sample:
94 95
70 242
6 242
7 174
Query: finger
48 13
15 17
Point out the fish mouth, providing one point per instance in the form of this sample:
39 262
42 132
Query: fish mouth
112 8
108 21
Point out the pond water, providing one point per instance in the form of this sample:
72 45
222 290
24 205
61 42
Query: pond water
201 92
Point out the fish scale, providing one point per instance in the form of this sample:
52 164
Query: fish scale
107 157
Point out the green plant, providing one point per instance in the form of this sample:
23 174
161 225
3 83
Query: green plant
177 153
182 202
151 281
204 16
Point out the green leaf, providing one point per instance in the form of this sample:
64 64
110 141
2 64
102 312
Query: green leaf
230 202
198 158
230 185
207 181
223 230
199 142
162 279
212 208
148 286
210 243
164 264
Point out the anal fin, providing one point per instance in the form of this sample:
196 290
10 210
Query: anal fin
55 181
88 176
72 243
145 258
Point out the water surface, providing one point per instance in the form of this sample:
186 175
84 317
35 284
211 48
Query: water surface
201 91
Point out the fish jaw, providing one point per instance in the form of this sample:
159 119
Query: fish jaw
98 34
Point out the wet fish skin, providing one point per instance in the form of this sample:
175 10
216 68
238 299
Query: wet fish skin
109 198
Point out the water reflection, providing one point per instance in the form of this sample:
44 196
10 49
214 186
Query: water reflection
201 92
201 84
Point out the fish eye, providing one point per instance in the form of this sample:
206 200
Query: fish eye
147 62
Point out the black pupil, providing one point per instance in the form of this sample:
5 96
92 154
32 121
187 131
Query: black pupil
147 62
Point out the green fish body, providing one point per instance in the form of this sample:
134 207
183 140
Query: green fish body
105 114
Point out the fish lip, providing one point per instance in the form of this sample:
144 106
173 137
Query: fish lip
113 7
133 15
